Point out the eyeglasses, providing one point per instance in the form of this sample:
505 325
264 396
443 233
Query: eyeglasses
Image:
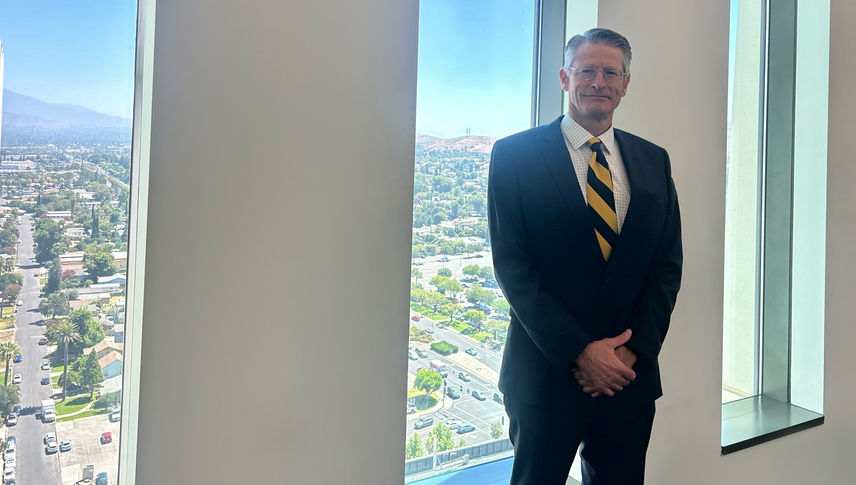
589 74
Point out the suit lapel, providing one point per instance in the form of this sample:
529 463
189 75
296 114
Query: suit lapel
630 230
555 153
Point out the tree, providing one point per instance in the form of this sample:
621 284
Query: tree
434 300
502 307
429 442
414 447
415 274
10 279
471 270
9 397
475 317
7 351
89 372
486 273
62 333
11 292
462 443
445 272
98 262
443 436
427 380
94 229
452 310
480 297
496 430
89 331
55 304
50 240
54 282
496 328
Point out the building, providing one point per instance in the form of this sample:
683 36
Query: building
111 364
103 348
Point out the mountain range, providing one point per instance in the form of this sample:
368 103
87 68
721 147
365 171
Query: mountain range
470 143
20 111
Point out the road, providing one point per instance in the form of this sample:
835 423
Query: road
33 465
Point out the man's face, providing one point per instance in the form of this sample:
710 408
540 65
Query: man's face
592 102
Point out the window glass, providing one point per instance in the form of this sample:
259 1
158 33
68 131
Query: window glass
474 86
67 73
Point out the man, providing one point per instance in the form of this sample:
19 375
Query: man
585 230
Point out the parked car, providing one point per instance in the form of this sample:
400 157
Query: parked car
416 318
46 365
20 302
421 353
453 424
423 422
101 479
16 379
10 440
11 419
453 393
18 358
498 398
412 355
9 476
429 330
65 445
114 415
9 453
479 395
411 408
466 428
51 436
464 376
46 381
43 341
471 351
106 437
16 409
51 448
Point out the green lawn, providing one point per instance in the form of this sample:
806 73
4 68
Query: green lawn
7 322
72 404
85 414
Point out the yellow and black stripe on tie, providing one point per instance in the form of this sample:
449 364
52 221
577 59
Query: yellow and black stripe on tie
601 200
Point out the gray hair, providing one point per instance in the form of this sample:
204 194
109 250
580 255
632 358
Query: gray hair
598 36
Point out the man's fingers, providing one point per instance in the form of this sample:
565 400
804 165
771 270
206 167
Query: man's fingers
621 339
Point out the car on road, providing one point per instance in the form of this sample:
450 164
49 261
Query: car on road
444 259
479 395
498 398
471 351
453 393
421 353
11 419
43 341
114 415
16 379
18 358
65 445
412 355
466 428
411 408
101 479
46 365
11 463
46 381
423 422
464 376
416 318
106 437
50 436
429 331
51 448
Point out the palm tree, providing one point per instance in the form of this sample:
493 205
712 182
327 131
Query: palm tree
7 351
63 333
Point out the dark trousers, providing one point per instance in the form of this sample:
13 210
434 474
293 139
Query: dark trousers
613 439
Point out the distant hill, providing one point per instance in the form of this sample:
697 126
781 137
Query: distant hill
472 143
20 111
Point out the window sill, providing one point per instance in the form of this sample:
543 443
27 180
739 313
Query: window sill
758 419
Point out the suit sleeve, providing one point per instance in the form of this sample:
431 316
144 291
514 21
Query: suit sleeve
649 319
544 318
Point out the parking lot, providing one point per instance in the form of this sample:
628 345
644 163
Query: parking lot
86 448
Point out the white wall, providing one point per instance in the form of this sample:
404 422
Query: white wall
277 273
278 243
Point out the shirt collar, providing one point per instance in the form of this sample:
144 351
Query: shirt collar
577 136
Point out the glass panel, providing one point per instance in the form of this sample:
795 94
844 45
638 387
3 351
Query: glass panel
740 331
64 183
474 86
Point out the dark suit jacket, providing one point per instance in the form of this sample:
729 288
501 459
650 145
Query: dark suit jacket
549 266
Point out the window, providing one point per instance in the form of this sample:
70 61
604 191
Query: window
72 179
485 70
775 221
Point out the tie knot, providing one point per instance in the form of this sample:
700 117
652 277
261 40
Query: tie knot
595 144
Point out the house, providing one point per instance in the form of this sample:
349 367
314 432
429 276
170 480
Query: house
104 347
116 278
58 215
111 364
120 258
119 333
75 232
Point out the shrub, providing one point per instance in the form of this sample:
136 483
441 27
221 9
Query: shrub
444 348
482 336
108 400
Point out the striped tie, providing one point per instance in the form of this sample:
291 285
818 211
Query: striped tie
601 201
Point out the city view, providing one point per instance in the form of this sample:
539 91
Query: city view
64 200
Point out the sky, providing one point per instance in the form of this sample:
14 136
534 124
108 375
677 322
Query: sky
474 67
71 51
